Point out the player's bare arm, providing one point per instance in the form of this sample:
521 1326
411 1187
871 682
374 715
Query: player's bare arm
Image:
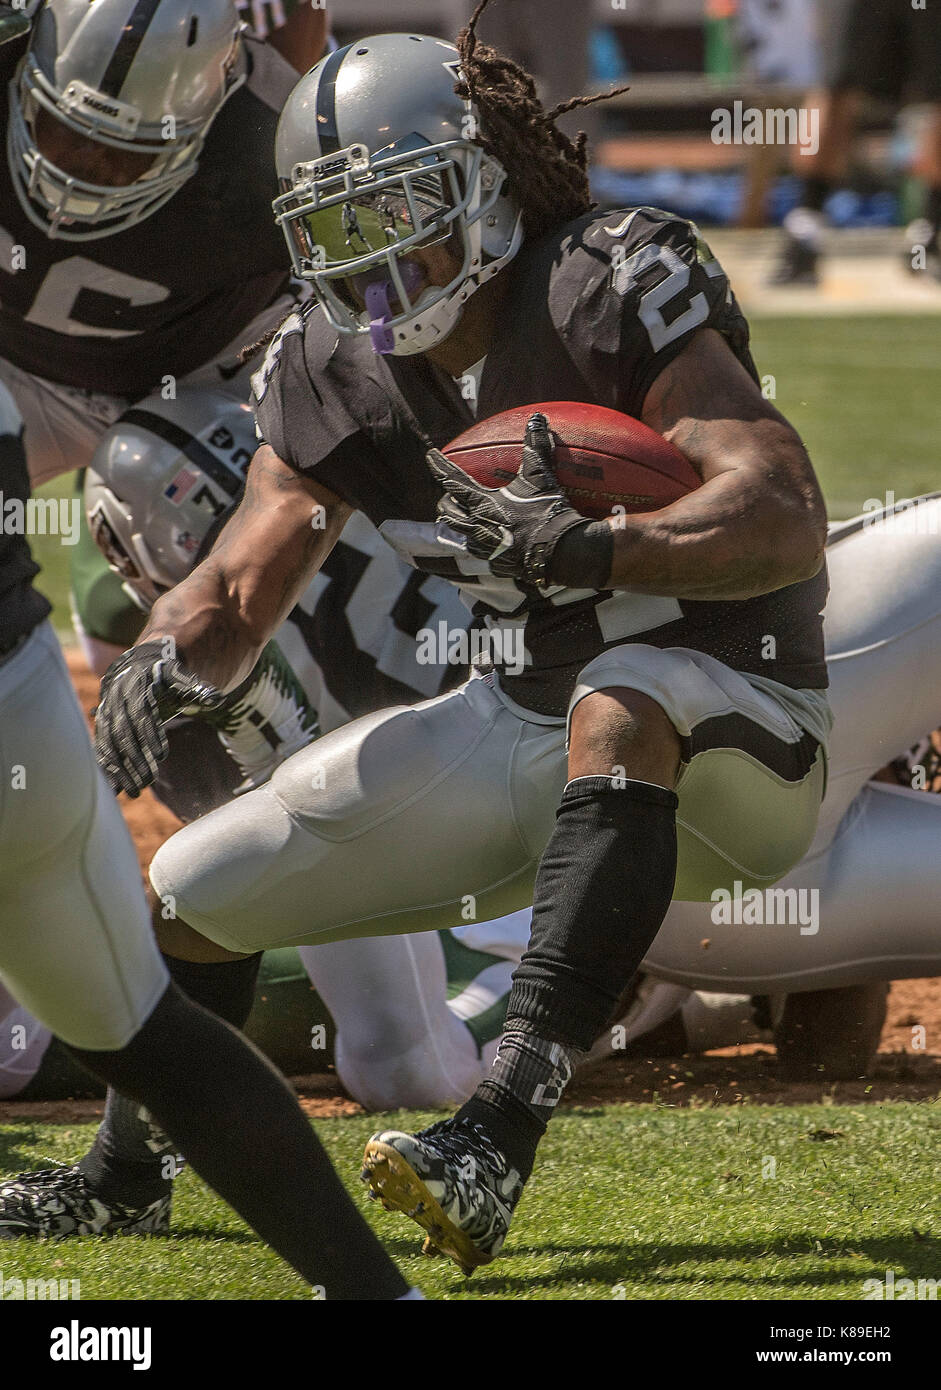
222 615
217 620
758 522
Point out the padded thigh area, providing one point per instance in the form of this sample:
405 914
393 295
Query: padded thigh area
416 818
356 777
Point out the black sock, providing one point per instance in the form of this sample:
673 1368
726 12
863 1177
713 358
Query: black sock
933 210
226 988
602 891
507 1123
814 193
515 1103
240 1126
131 1160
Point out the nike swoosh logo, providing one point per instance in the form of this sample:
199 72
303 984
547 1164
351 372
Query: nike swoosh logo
622 227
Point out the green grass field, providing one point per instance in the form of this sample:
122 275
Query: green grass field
627 1202
863 392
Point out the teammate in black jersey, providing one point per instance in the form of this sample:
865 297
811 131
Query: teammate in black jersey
121 271
108 289
442 219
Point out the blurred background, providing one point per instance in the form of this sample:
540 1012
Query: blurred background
683 58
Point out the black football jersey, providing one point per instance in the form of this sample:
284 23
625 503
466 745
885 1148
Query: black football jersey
593 313
21 607
354 640
118 313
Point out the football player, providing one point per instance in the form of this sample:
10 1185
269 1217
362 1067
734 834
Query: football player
443 244
445 225
122 272
404 205
399 1041
417 1018
76 949
159 481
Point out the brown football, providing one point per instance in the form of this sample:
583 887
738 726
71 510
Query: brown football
607 463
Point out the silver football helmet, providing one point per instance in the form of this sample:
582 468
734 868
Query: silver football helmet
160 477
377 156
140 76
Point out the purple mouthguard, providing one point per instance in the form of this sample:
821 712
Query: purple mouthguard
378 295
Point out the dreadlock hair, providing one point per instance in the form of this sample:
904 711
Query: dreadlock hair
547 172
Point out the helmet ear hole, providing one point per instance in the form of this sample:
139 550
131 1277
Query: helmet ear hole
500 227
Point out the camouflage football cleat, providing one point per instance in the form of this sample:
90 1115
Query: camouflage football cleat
57 1202
452 1181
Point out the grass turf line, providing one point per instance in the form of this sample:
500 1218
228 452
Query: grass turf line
633 1202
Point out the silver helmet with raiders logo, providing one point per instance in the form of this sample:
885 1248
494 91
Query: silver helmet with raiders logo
111 104
378 158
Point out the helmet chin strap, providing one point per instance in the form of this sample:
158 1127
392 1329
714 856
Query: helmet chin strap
378 295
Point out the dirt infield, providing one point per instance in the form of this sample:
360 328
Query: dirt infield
730 1076
735 1076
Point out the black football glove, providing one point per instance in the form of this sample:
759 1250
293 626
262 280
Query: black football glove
514 528
139 693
